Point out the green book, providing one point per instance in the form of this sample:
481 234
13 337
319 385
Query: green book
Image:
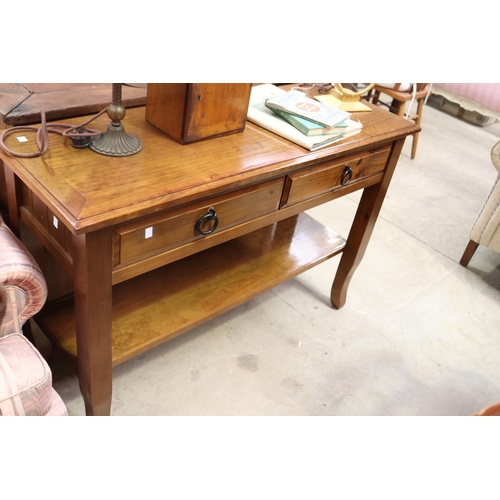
307 127
310 128
297 103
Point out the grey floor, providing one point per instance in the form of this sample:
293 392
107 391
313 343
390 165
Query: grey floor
419 334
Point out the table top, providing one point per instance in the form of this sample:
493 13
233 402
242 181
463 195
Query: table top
88 191
20 103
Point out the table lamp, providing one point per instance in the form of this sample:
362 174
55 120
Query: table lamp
115 141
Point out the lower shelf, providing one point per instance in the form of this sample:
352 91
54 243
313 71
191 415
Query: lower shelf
161 304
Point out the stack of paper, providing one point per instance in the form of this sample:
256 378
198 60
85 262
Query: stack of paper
300 130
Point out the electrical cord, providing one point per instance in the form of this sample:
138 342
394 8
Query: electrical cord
42 134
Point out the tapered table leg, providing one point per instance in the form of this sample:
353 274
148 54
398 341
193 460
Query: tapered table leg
93 313
361 229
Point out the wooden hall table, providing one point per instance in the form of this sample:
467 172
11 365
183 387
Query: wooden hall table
123 229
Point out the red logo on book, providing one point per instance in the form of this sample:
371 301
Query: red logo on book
308 107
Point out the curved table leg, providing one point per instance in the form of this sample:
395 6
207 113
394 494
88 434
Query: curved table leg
361 229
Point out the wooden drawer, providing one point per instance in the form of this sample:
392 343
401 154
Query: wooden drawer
331 176
158 234
52 227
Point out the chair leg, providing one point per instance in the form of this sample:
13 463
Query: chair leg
420 108
414 145
469 252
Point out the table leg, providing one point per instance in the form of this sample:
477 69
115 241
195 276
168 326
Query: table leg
93 313
361 229
12 199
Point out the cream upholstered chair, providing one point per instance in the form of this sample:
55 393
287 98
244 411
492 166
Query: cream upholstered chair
486 230
25 377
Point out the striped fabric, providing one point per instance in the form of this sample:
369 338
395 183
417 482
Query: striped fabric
58 408
486 230
25 378
487 94
481 97
22 279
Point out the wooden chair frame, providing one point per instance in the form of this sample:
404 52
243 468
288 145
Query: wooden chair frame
398 104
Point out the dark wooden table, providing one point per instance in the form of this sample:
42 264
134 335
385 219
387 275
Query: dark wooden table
122 230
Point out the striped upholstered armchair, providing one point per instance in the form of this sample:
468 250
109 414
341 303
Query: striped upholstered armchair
25 377
486 230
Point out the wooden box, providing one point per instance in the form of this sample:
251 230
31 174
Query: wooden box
190 112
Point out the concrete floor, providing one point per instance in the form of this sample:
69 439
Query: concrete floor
419 334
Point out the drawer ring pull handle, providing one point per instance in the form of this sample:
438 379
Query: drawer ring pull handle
346 176
211 215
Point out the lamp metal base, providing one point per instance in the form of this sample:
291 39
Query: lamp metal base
116 142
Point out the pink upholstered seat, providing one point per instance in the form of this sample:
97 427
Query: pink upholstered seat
25 377
22 279
26 380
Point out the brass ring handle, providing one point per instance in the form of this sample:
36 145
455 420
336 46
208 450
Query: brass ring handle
346 176
210 216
